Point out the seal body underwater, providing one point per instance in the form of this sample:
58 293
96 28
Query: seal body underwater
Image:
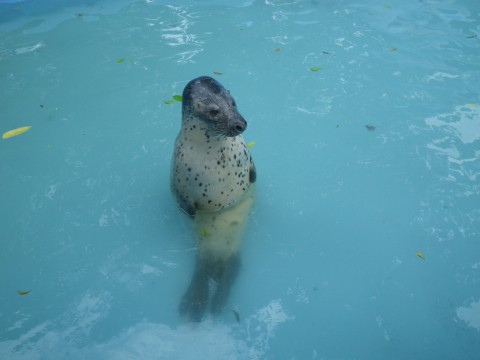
212 179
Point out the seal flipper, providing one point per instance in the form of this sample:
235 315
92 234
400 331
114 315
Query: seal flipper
224 276
194 301
253 172
187 206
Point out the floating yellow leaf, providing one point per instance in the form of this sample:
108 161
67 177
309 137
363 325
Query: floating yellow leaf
168 102
15 132
120 60
474 104
420 255
22 292
217 73
177 98
251 144
315 68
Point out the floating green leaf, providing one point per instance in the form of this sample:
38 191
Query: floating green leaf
387 6
120 60
168 102
251 144
204 233
177 98
315 68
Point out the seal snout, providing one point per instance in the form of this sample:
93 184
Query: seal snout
237 126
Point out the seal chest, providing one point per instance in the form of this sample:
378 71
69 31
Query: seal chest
210 172
212 180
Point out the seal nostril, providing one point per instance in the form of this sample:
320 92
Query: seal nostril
239 128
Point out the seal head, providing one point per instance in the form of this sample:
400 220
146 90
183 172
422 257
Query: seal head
208 100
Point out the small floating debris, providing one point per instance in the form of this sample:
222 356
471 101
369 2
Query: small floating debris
217 73
15 132
315 68
236 314
472 36
277 49
420 255
176 98
325 52
204 233
121 60
474 104
79 14
23 292
251 144
393 50
370 127
387 6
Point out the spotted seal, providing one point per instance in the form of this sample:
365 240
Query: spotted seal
212 179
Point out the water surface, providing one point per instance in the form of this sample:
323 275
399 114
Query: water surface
366 119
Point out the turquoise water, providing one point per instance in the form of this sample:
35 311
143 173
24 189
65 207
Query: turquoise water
366 119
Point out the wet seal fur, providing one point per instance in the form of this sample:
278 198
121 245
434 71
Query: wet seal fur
212 179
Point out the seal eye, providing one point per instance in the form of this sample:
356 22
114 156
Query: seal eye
213 112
